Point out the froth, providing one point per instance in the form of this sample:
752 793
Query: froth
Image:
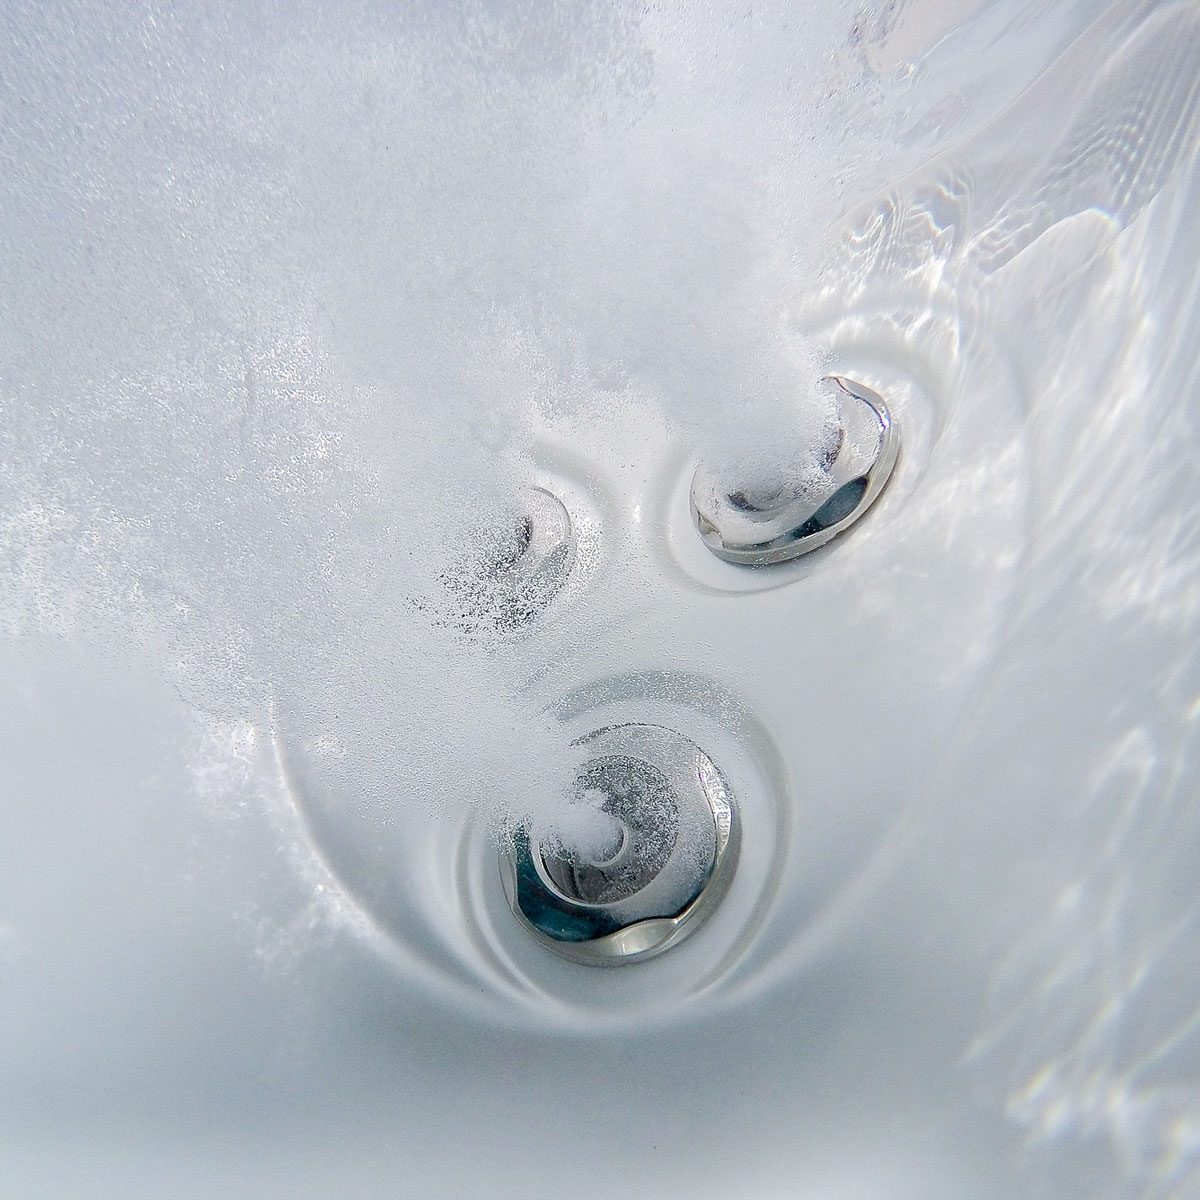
288 295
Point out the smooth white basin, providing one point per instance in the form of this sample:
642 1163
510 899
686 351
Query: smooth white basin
960 956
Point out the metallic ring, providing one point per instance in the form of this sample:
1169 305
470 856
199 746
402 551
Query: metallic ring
781 523
671 855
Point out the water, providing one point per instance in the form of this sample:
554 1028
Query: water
296 301
271 364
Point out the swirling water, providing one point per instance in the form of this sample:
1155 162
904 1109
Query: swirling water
293 301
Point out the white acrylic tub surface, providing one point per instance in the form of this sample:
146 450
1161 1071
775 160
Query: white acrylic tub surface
961 954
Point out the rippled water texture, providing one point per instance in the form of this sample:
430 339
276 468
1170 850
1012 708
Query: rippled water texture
1061 236
254 758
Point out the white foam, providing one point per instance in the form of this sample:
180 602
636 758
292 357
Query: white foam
287 320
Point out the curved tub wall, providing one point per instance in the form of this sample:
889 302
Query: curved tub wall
960 955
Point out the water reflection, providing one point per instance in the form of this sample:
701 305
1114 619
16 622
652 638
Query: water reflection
1060 232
